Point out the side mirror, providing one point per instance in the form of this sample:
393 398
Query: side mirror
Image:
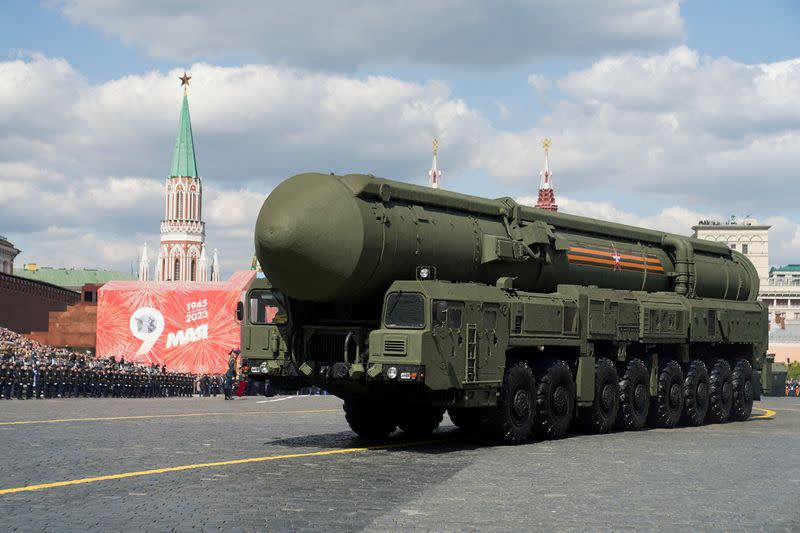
240 312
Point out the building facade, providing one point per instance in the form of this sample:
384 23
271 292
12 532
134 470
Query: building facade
7 254
782 293
745 236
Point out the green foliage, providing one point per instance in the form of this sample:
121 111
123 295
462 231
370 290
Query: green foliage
793 371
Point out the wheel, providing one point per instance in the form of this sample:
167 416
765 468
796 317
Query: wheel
743 395
555 401
602 415
634 396
720 392
695 394
369 420
512 420
667 406
421 421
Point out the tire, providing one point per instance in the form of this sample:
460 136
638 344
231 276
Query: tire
695 394
421 421
667 406
720 392
602 415
743 395
634 396
513 419
555 401
368 420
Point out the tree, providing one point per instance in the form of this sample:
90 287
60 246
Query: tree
793 370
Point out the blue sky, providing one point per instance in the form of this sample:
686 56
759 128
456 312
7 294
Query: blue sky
617 152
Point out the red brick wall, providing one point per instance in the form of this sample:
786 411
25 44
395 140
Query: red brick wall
25 304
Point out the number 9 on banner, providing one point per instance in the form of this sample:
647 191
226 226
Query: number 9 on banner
147 324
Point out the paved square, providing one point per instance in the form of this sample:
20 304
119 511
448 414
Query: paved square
291 463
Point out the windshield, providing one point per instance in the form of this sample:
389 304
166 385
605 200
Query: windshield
405 310
265 309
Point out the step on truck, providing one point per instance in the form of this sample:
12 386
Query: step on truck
407 302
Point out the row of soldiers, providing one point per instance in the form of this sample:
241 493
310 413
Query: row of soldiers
25 381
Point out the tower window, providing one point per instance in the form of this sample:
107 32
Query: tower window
176 273
179 205
744 248
194 269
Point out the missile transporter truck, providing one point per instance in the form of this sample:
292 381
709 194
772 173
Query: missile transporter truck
407 302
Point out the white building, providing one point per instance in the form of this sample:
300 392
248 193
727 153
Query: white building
7 254
782 292
745 236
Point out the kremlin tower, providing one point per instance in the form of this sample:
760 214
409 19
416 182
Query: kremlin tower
547 196
434 173
182 255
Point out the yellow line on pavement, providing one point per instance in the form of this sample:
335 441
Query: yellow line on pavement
123 475
766 415
179 415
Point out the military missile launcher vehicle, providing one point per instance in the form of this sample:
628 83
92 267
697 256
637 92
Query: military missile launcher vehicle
407 302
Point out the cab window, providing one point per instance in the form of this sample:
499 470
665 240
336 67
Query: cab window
265 309
446 313
405 310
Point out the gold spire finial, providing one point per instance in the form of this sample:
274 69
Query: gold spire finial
435 146
546 145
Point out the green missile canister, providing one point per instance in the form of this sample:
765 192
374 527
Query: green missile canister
329 238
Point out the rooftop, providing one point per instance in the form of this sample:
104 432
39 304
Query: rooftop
785 268
70 277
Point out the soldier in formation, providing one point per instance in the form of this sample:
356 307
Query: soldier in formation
24 380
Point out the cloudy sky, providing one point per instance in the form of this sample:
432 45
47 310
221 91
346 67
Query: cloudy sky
660 112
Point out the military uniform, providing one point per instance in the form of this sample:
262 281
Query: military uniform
6 380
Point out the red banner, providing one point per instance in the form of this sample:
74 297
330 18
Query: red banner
190 327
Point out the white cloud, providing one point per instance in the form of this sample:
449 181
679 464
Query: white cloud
349 33
90 158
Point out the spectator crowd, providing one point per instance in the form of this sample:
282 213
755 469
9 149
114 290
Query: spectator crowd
29 369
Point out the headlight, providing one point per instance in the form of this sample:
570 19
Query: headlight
391 372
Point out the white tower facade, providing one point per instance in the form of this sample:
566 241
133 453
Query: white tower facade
144 265
183 232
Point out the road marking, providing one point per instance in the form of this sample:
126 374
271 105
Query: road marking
279 399
767 414
180 415
123 475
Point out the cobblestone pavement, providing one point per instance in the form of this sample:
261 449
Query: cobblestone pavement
732 477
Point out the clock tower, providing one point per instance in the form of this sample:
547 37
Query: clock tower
182 255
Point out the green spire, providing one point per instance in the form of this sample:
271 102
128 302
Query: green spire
183 162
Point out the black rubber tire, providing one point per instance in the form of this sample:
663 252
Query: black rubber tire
555 401
634 396
369 420
472 420
420 422
695 394
667 406
512 420
720 392
602 415
743 395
